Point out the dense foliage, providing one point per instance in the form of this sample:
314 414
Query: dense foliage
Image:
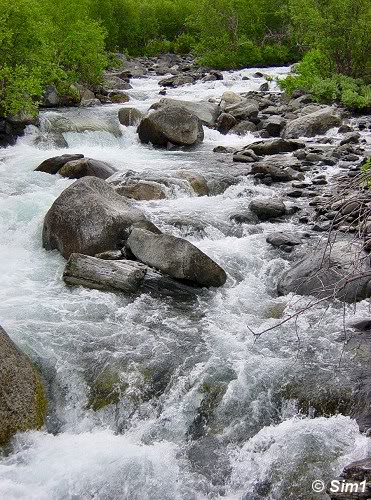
64 41
43 42
337 34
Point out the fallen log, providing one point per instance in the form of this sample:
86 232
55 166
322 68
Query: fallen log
91 272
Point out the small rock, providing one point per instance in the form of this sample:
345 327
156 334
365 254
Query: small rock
351 138
225 122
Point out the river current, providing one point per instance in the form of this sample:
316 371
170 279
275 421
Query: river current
201 408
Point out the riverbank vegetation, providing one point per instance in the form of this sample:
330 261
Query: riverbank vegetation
45 42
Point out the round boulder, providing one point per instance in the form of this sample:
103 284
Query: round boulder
89 217
173 125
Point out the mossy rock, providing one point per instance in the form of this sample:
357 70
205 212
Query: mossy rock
106 389
213 393
22 398
322 401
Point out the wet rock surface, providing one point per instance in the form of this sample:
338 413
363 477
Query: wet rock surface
22 398
339 270
89 217
174 125
176 257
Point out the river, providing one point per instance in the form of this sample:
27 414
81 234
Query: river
202 409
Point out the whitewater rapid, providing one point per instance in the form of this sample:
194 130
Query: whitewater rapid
168 357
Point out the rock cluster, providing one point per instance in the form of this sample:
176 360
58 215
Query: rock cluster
96 229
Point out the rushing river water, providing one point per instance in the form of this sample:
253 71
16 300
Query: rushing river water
202 407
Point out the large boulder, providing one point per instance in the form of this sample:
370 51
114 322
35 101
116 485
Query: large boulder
274 125
340 270
22 399
86 167
207 112
283 239
268 208
312 124
53 165
176 257
89 217
174 125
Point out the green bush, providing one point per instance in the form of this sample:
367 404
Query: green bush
314 75
156 47
184 43
42 44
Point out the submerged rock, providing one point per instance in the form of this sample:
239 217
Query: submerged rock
155 185
176 257
312 124
173 125
100 274
22 399
341 270
89 217
197 181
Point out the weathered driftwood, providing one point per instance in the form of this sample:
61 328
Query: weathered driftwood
91 272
